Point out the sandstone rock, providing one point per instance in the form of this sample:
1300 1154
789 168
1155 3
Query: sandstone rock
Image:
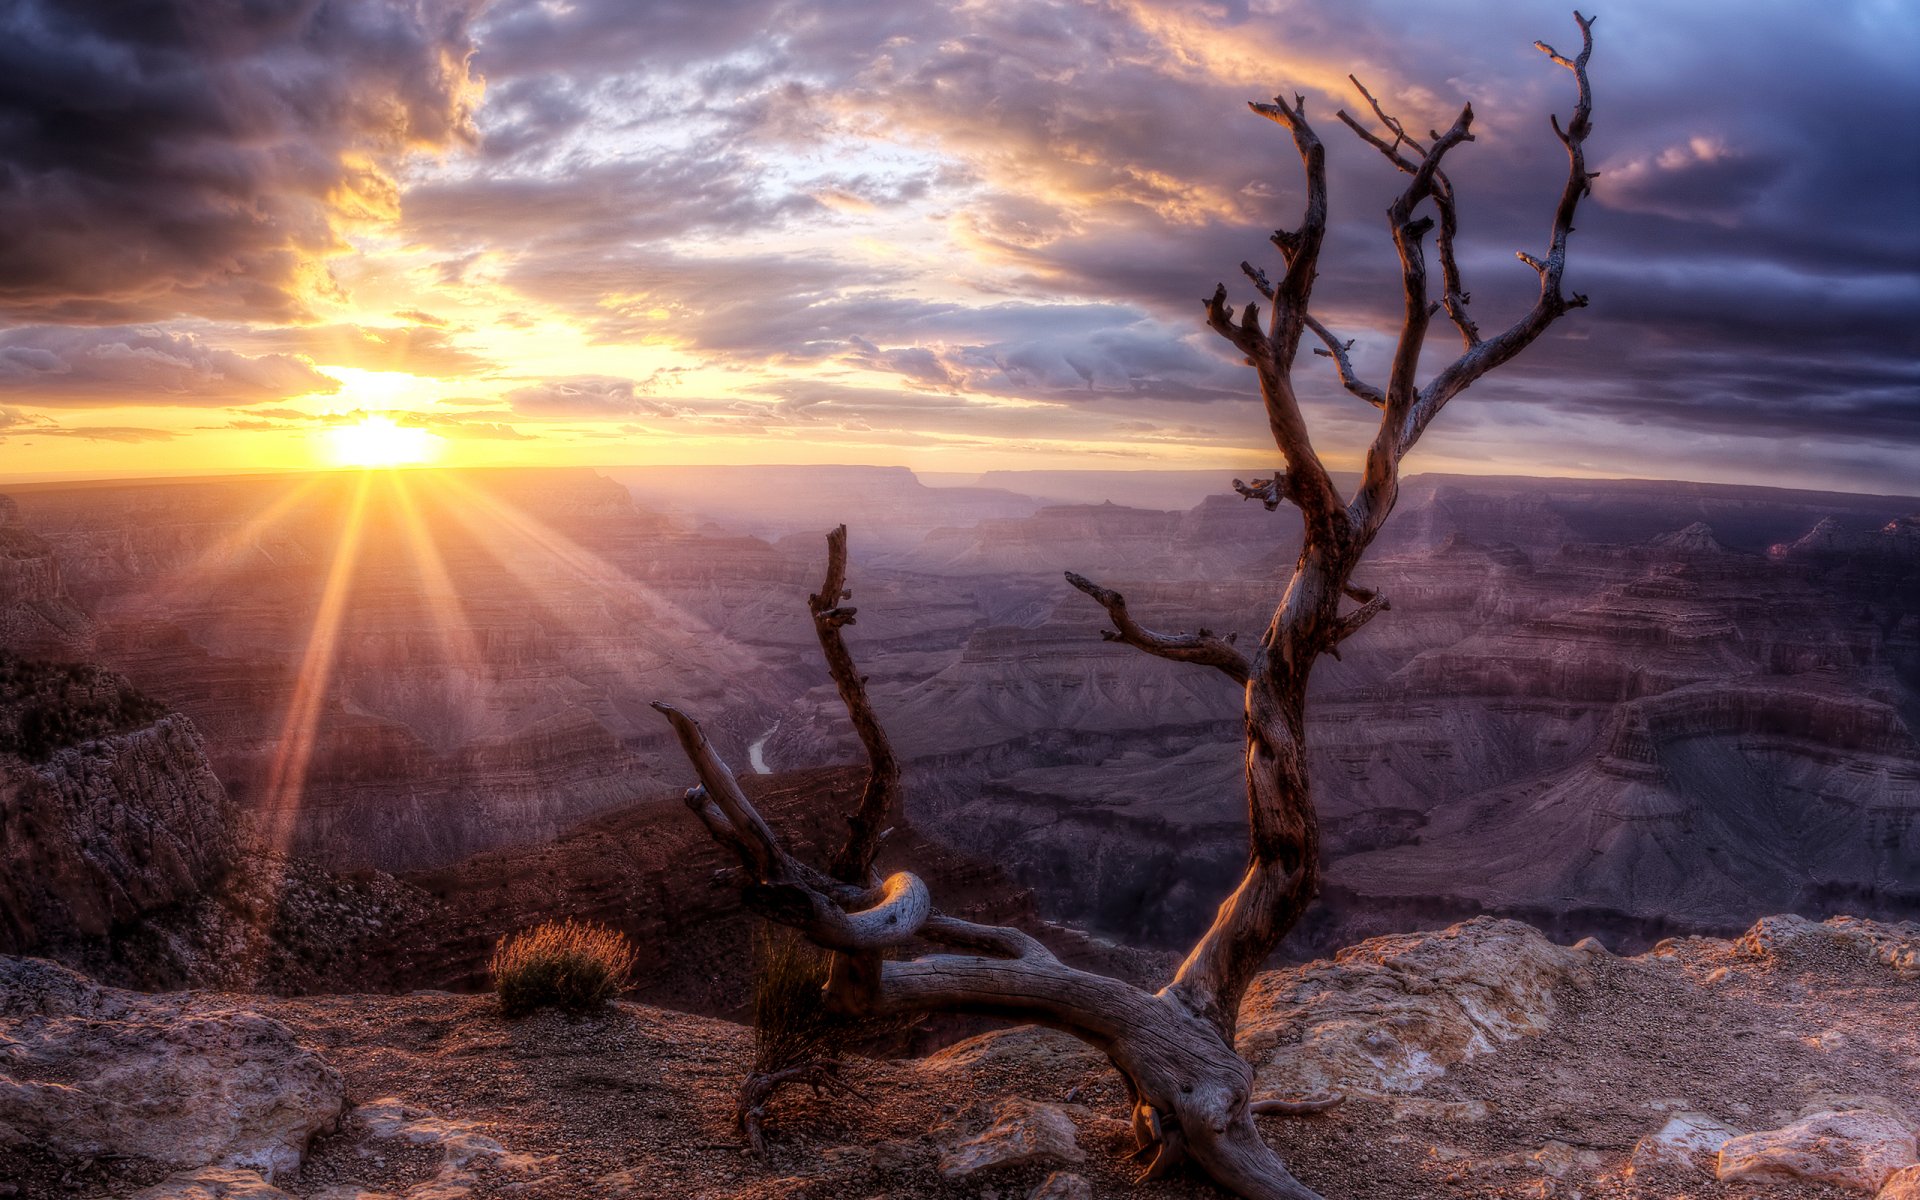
1023 1131
1858 1149
91 1071
1062 1185
1392 1012
212 1183
1903 1184
1689 1140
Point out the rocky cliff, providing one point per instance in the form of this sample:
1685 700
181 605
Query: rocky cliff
109 810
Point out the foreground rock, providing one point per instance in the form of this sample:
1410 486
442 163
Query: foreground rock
1393 1012
91 1072
1022 1132
1569 1073
1856 1149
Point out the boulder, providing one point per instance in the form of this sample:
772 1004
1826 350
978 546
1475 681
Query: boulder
1858 1149
1392 1012
1903 1184
1022 1131
91 1072
1688 1140
1062 1185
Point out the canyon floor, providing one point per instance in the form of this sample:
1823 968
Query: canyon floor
1478 1061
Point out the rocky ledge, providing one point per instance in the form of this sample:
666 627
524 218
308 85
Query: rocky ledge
1478 1061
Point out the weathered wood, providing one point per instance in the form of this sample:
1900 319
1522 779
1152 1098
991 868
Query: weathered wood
1192 1094
867 823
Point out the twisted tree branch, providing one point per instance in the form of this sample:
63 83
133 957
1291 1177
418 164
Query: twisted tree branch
1203 647
867 823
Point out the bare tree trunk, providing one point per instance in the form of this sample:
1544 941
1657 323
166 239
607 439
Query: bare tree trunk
1192 1093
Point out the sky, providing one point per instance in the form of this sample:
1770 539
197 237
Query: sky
955 236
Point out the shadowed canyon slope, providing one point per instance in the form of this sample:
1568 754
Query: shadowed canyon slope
1606 706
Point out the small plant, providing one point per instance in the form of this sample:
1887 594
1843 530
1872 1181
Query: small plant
797 1038
575 966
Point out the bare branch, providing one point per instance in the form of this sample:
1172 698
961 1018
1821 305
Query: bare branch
1454 296
1259 278
1269 492
1337 351
1319 501
1245 336
866 823
1552 302
1202 647
1350 624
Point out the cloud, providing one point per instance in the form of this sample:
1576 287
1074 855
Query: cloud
1699 179
588 398
15 423
70 366
198 157
415 349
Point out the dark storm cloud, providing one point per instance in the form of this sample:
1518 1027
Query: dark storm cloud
698 174
64 365
168 157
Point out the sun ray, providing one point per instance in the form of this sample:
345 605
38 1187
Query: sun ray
492 520
293 753
219 560
452 629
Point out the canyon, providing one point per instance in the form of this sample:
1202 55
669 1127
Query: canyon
1622 708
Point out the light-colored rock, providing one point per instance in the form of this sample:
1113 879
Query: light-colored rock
1393 1012
1022 1131
213 1183
1857 1149
1903 1184
91 1071
1689 1140
1062 1185
465 1152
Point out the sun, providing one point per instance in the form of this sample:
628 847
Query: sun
380 442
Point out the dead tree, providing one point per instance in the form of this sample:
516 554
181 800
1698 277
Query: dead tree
1192 1094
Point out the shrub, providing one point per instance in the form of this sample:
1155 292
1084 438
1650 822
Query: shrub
791 1022
575 966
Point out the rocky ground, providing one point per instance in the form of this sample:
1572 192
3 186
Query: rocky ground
1479 1061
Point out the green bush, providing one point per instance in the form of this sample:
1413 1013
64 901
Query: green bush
575 966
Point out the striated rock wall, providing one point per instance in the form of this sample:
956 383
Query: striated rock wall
108 831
